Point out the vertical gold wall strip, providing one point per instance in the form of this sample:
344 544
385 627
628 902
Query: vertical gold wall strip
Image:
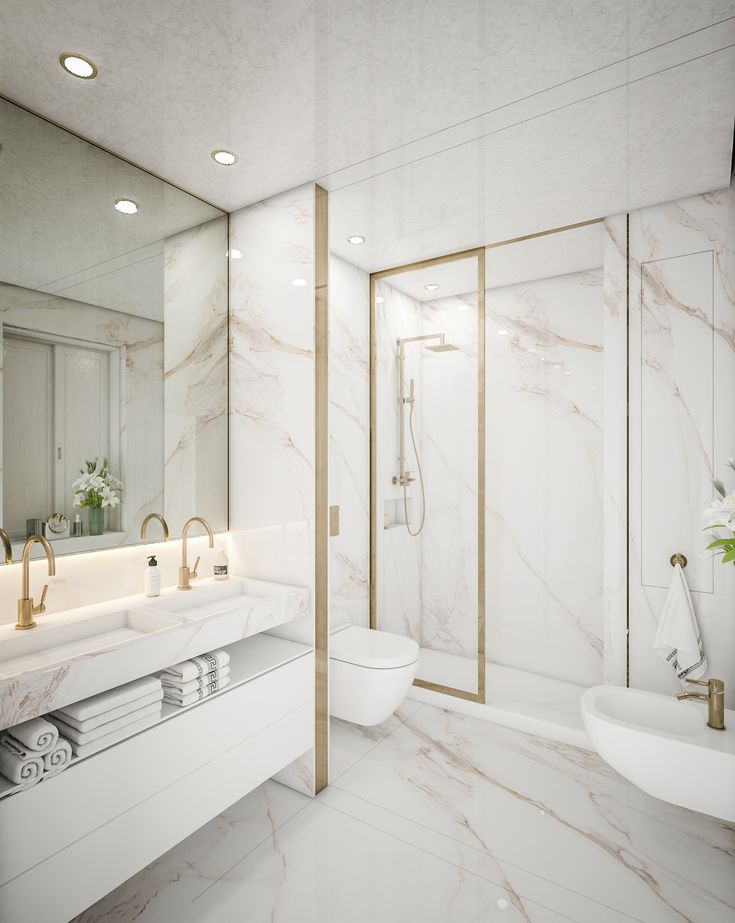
481 502
373 465
321 454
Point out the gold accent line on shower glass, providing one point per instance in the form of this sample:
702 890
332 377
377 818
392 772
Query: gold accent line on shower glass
321 487
186 573
149 518
26 607
375 514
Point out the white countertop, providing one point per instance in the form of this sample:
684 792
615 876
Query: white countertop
74 654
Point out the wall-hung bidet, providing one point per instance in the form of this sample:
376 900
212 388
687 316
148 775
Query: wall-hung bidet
370 673
404 477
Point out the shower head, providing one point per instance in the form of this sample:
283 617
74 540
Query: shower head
442 347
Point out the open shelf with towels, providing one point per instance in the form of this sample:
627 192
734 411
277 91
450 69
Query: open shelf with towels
249 658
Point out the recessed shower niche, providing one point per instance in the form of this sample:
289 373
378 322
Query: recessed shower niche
427 484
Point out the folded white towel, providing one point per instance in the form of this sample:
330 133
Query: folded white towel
678 639
79 738
197 666
116 736
113 698
37 735
22 770
173 698
89 724
56 760
178 687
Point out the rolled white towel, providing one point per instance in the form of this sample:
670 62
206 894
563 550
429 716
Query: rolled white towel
178 687
197 666
37 735
89 724
173 698
57 759
21 770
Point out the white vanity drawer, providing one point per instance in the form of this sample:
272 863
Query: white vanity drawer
164 765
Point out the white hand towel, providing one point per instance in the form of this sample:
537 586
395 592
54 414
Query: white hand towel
678 639
79 738
112 698
173 698
37 735
178 687
89 724
197 666
22 770
116 736
56 760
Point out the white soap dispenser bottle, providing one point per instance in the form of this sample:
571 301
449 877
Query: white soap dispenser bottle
221 566
152 577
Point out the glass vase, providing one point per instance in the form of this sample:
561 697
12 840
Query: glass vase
96 521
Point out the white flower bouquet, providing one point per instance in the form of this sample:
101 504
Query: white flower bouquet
96 488
721 515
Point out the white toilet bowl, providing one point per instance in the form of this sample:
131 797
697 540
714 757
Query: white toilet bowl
370 673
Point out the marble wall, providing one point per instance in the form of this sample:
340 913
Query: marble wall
349 442
141 419
682 427
272 420
544 476
195 375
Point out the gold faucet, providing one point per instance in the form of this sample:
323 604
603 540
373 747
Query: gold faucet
715 700
7 547
26 608
186 574
144 525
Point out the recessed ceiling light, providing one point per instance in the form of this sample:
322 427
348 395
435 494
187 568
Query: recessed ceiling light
78 66
502 333
431 286
299 283
126 206
502 903
463 307
234 254
379 299
224 158
356 239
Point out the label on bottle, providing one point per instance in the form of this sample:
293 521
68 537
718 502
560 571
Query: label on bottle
220 570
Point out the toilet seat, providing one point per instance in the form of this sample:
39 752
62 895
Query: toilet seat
378 650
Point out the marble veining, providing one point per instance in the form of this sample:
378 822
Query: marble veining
436 816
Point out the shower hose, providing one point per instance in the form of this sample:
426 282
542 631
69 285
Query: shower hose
421 481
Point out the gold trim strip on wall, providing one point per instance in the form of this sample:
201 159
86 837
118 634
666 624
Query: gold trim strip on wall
321 502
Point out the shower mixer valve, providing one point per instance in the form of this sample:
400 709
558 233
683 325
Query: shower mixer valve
405 479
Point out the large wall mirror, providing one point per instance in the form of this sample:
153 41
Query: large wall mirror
113 321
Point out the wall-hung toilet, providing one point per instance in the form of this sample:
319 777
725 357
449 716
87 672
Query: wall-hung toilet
370 673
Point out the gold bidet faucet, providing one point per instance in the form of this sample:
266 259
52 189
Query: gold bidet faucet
187 574
715 699
26 607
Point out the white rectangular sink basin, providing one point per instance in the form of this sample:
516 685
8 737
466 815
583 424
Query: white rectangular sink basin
57 639
235 595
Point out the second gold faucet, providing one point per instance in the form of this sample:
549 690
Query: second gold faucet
187 574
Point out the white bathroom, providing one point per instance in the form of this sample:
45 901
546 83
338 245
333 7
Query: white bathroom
367 462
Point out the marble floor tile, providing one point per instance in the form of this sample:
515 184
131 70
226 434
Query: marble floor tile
549 812
163 892
349 743
325 866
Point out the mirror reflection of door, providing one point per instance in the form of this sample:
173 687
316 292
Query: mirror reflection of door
57 411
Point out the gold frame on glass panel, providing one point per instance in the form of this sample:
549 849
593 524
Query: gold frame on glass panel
479 254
